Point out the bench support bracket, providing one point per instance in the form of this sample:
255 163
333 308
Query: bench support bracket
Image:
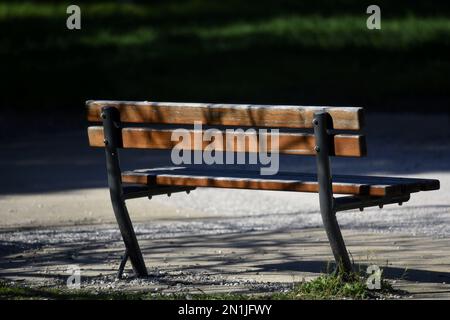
361 202
111 121
322 123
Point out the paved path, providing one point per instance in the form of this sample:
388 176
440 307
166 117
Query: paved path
225 261
54 211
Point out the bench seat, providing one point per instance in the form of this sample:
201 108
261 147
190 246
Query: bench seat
283 181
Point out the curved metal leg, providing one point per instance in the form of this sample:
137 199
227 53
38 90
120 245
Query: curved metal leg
112 142
129 237
321 123
123 262
335 238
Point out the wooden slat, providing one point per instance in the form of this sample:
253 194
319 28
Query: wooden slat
283 181
239 115
289 143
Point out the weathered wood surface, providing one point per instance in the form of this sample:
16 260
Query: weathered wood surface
288 143
283 181
240 115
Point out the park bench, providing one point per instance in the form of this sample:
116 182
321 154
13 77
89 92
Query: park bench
321 132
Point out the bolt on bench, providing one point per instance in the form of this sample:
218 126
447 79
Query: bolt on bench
335 133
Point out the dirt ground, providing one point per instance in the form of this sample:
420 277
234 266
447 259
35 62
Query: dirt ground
55 213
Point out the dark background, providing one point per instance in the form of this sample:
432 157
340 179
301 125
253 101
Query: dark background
268 52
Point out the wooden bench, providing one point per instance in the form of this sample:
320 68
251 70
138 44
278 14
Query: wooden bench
313 131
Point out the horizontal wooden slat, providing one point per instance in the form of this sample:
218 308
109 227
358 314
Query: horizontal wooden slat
240 115
283 181
289 143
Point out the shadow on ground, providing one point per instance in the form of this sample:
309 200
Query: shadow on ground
246 258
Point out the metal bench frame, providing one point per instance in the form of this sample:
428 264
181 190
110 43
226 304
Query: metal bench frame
329 205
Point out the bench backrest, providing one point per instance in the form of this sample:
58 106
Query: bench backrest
345 122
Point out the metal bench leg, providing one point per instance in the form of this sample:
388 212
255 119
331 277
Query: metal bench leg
128 236
112 141
123 262
321 124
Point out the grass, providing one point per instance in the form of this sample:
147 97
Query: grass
288 51
325 287
337 287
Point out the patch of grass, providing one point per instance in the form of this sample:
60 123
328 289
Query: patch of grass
336 286
325 287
